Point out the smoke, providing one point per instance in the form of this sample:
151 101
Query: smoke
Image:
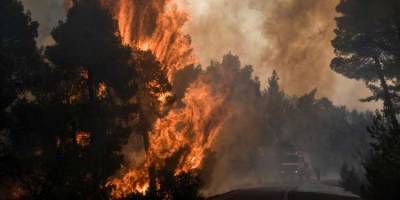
48 13
299 35
290 36
250 147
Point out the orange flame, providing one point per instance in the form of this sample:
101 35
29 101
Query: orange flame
193 127
102 90
156 25
82 138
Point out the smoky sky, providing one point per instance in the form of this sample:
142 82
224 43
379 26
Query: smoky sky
291 36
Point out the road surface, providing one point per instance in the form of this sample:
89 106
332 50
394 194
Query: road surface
309 191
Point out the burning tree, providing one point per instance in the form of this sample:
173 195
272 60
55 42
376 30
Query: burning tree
121 73
96 86
107 100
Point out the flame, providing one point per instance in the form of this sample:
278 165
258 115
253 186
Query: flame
193 127
155 25
102 91
191 130
82 138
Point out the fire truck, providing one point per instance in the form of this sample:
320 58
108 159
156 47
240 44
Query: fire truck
293 165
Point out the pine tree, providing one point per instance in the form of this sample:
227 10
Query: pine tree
89 42
25 80
273 89
382 166
96 90
367 48
17 49
276 106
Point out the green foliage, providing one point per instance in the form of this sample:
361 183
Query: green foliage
331 133
383 164
93 86
17 30
276 107
23 111
17 53
273 86
367 48
366 37
93 83
313 125
89 40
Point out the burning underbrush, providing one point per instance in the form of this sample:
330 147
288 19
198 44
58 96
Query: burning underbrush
188 130
129 116
185 141
217 107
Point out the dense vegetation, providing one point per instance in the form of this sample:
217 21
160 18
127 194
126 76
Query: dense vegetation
67 109
367 48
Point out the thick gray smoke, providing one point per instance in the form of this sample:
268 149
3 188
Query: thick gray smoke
290 36
267 124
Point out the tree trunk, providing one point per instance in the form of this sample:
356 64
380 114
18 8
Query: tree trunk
388 105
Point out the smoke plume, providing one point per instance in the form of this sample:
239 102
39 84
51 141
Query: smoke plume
290 36
224 117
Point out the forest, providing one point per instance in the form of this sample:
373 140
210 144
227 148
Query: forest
94 115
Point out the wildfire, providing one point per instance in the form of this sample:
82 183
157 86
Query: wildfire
192 128
155 25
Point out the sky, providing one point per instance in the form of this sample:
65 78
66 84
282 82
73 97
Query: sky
290 36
